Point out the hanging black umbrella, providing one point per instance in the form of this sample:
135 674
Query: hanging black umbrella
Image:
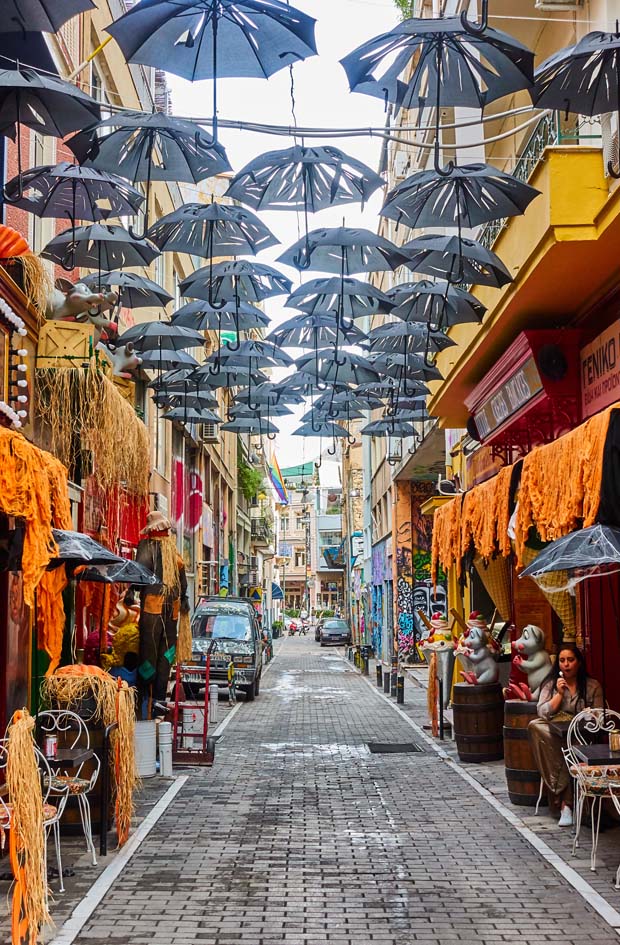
325 428
584 79
407 336
405 365
42 102
228 375
267 394
356 401
259 353
153 336
303 178
239 411
248 281
188 414
251 425
472 195
314 331
123 572
99 246
447 61
231 317
351 297
74 548
176 379
456 260
208 39
435 303
584 553
134 291
352 369
143 147
40 16
69 191
190 397
344 250
166 359
327 412
389 427
388 388
211 230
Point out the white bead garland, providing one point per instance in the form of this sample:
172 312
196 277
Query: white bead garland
19 326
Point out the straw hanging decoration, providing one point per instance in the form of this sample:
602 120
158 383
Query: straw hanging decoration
27 838
184 639
124 761
432 694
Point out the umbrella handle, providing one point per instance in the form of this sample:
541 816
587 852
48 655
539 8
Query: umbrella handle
351 440
271 436
303 262
148 143
319 464
476 29
446 171
392 462
315 429
237 344
331 450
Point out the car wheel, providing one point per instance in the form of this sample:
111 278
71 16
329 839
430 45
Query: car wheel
257 686
322 643
249 693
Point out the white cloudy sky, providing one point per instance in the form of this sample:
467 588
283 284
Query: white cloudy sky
322 100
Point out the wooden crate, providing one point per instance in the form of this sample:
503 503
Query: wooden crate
64 344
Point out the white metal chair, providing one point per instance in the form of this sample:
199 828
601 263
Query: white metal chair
51 812
71 731
594 781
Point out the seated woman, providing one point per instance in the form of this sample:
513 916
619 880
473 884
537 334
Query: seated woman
567 690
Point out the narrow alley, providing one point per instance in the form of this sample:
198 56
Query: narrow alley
299 834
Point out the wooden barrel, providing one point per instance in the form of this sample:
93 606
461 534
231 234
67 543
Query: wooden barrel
478 714
521 774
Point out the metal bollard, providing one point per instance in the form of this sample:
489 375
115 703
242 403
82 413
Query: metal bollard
386 682
400 690
379 671
365 666
393 681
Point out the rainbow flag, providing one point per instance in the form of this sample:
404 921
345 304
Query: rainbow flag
277 481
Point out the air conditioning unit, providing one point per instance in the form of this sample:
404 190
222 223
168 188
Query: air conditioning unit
210 433
253 578
557 5
253 563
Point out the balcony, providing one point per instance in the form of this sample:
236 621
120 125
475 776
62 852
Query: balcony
262 533
562 253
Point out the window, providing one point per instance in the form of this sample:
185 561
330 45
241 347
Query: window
284 523
300 558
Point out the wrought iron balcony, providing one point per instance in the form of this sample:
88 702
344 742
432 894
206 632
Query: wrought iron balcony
262 533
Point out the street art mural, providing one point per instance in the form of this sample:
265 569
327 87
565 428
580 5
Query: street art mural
412 567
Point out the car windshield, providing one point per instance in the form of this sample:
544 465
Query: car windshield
335 625
223 626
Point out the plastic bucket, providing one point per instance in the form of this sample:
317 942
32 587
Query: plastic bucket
146 749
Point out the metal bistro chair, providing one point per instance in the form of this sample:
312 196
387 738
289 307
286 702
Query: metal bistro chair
594 781
73 734
51 812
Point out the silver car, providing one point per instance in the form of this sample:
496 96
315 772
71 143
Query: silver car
335 631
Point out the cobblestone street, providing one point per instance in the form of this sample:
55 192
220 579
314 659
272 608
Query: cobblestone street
300 835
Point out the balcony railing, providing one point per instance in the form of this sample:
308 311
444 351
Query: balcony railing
547 132
261 531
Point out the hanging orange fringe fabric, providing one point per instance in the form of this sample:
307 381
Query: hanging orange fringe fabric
446 544
485 516
561 483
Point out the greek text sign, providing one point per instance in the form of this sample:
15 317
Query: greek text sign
518 390
600 371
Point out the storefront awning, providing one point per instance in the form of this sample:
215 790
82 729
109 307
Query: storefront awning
276 591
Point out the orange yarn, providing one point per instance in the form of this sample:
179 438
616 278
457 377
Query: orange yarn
485 517
446 543
561 483
82 669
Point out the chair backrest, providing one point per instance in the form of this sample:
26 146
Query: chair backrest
67 725
45 774
589 723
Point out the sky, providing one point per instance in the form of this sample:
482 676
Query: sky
322 100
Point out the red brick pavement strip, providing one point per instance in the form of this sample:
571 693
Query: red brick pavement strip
299 836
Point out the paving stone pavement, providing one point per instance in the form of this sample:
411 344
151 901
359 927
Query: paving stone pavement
299 836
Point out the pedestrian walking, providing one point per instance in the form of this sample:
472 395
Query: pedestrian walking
232 687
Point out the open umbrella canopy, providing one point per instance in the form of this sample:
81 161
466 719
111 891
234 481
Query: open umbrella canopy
122 572
349 297
457 260
388 388
187 414
321 428
67 190
192 397
145 147
341 411
165 359
350 369
44 16
212 229
584 554
314 331
99 246
405 366
42 102
409 336
228 375
176 379
153 336
260 353
237 411
232 316
303 178
348 398
135 291
75 548
247 281
472 195
250 425
204 39
344 250
388 426
435 303
451 65
267 394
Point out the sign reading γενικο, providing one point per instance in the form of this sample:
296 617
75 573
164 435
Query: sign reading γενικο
600 371
518 390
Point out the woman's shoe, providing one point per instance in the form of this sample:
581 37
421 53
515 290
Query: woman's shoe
566 818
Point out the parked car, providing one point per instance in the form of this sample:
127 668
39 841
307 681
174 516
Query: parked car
317 629
230 627
335 630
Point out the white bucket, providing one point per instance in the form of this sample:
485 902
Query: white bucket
164 734
145 742
213 701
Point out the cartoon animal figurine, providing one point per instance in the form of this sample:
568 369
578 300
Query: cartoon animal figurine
123 359
68 302
477 646
531 657
441 642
